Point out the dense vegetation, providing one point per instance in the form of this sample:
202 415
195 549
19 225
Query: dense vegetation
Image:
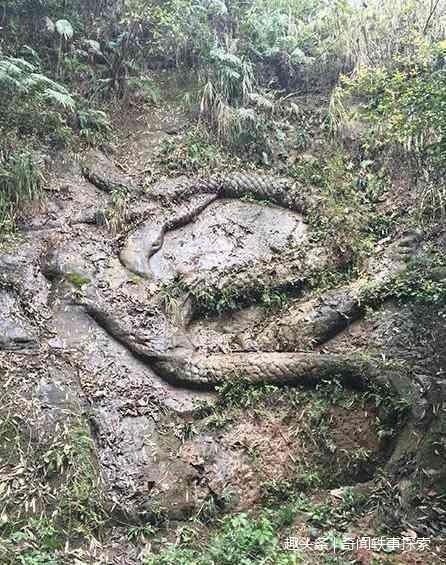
382 63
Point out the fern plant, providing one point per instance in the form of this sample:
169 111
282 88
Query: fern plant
94 126
19 77
32 104
64 29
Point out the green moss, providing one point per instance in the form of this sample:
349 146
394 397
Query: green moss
77 280
135 279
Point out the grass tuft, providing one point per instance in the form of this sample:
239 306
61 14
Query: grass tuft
20 183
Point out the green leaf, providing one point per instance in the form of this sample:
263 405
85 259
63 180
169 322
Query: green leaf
64 100
64 29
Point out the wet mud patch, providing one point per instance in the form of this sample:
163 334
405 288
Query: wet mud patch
268 445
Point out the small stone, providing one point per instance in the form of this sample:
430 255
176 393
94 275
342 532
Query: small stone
55 343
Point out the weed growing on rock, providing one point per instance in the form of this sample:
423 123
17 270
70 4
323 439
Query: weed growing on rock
423 282
61 494
115 216
137 534
272 301
77 280
347 215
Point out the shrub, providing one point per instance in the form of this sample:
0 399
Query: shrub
20 183
405 109
242 540
94 126
229 83
32 103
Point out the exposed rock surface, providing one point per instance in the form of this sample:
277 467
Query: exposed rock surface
119 337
